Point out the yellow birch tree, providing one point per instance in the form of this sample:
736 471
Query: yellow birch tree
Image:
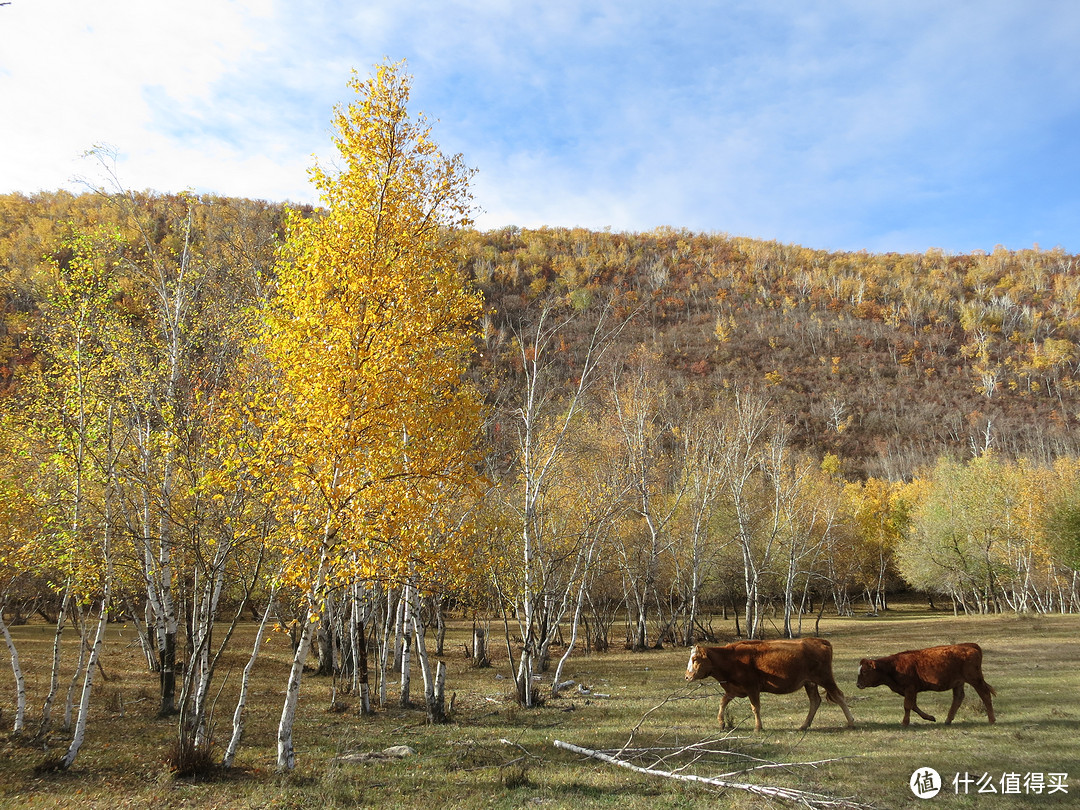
369 335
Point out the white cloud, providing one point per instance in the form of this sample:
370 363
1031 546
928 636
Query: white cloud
838 124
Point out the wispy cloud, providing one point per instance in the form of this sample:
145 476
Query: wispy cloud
886 126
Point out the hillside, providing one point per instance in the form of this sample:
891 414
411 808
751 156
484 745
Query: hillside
887 361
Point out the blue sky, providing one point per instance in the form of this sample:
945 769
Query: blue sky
835 124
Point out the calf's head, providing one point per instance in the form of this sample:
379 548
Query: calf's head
869 674
699 666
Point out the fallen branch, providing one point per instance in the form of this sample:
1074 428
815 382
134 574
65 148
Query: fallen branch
805 798
678 694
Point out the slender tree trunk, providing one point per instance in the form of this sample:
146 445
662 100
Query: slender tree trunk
434 692
88 679
54 679
438 604
20 681
359 651
479 648
362 669
325 637
406 646
103 620
286 755
399 630
88 682
573 631
384 654
84 638
245 681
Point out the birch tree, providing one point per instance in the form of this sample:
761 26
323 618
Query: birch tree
544 416
18 546
746 431
84 349
369 334
640 419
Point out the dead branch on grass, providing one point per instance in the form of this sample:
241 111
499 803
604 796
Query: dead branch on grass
806 798
665 762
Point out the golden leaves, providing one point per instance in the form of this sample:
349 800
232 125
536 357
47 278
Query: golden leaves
369 336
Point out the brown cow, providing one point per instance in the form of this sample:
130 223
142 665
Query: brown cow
934 669
748 668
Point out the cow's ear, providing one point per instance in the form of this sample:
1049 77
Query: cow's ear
868 663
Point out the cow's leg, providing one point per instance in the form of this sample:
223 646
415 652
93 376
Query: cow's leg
724 701
985 691
755 705
833 693
957 699
815 701
909 705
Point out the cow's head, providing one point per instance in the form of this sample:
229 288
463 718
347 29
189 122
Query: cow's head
698 666
869 674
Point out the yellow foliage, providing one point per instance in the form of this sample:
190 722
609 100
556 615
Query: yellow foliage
368 336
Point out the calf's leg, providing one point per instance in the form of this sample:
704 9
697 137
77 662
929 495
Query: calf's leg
755 704
724 701
985 691
957 699
909 706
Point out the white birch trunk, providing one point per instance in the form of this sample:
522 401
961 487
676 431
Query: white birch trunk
426 673
81 719
399 629
384 650
361 675
406 648
204 630
88 681
573 640
440 693
286 755
95 652
354 636
54 678
20 681
245 681
77 675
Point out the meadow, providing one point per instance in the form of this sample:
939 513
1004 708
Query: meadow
497 755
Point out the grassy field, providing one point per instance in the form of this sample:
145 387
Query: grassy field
496 755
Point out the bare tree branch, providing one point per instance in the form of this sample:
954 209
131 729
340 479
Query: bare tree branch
802 797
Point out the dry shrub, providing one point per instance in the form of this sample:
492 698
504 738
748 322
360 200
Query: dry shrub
187 760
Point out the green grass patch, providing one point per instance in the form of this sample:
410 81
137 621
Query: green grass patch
497 755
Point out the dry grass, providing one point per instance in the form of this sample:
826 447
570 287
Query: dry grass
496 755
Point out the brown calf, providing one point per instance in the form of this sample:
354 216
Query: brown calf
748 668
935 669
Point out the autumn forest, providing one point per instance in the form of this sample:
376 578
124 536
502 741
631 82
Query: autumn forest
352 421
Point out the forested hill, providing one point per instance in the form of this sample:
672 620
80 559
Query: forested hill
888 361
